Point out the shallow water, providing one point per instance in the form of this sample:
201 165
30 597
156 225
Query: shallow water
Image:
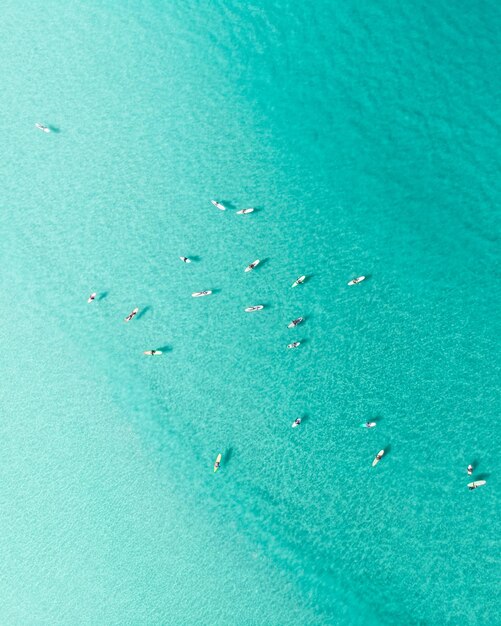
367 140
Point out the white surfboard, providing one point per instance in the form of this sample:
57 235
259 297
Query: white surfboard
369 425
355 281
245 211
295 322
252 265
152 352
217 204
299 281
199 294
131 315
469 470
92 297
377 458
295 344
185 259
251 309
476 483
296 423
43 128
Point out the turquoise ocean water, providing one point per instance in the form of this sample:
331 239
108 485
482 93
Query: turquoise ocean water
367 136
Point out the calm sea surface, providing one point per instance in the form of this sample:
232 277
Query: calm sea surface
367 137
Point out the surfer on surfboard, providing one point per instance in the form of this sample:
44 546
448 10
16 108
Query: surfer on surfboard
218 205
251 266
378 457
200 294
131 315
469 470
299 281
476 484
355 281
217 464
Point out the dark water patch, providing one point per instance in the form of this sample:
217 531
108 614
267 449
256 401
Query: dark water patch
165 348
483 476
143 312
228 204
227 455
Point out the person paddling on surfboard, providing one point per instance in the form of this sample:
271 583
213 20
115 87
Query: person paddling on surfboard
476 484
217 204
299 281
469 469
131 315
355 281
252 265
217 464
378 457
